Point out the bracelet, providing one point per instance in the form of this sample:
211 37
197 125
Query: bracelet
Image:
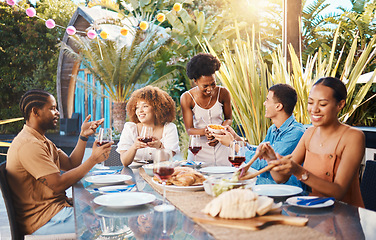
84 138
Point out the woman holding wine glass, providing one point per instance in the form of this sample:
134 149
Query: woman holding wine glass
153 108
206 104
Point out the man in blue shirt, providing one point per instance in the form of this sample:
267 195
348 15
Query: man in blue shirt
283 135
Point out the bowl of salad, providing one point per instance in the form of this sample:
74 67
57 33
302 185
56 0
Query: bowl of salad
216 186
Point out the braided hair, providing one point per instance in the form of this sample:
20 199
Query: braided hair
33 98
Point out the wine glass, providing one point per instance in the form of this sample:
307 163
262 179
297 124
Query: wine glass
104 136
163 168
146 136
237 153
194 145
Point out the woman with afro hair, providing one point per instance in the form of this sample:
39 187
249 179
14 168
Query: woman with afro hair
152 107
206 104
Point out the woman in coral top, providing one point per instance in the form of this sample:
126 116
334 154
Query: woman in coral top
329 154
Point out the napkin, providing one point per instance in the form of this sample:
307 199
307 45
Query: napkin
313 201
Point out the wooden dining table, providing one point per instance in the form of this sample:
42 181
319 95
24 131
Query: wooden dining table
339 221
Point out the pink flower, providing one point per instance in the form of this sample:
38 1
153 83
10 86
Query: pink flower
71 30
50 23
31 12
11 2
91 34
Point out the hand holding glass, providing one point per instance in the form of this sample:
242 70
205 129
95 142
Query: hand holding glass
145 137
163 168
104 136
237 153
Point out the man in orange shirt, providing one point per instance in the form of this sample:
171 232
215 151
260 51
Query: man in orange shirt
34 166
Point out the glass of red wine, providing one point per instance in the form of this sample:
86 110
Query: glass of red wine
237 153
194 145
104 136
146 136
163 168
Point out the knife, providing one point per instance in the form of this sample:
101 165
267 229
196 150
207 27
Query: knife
313 201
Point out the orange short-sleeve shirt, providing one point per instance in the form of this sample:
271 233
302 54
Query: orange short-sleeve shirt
31 156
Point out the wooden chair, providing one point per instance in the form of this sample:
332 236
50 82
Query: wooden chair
368 185
15 231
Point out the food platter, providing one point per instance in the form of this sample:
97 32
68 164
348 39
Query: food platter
181 188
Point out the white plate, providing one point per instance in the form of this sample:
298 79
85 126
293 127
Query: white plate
276 190
116 189
124 199
293 202
217 170
108 179
127 212
181 188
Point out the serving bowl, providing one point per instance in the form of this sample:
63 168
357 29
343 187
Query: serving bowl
215 128
148 169
216 186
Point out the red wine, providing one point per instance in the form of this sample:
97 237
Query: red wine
164 172
146 139
102 143
195 150
236 160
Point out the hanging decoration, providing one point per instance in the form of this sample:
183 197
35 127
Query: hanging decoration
31 12
92 33
50 23
177 7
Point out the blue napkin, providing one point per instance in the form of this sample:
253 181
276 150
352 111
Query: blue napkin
313 201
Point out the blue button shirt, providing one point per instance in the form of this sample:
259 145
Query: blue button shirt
283 140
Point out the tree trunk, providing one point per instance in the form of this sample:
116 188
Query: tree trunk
118 115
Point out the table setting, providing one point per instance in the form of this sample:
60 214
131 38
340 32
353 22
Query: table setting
284 208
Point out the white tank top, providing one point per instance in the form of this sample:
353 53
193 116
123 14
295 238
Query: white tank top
212 156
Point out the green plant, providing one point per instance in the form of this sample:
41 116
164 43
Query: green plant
121 67
243 73
190 30
247 77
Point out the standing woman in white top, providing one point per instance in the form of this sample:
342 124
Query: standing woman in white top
206 104
152 107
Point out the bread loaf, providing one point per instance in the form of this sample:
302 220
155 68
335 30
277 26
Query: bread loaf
238 204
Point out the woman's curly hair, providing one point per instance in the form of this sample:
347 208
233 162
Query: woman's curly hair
203 64
163 105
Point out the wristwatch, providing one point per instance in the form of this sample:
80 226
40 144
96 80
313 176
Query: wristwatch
304 176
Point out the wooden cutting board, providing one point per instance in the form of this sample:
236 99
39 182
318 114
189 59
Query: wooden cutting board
253 224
